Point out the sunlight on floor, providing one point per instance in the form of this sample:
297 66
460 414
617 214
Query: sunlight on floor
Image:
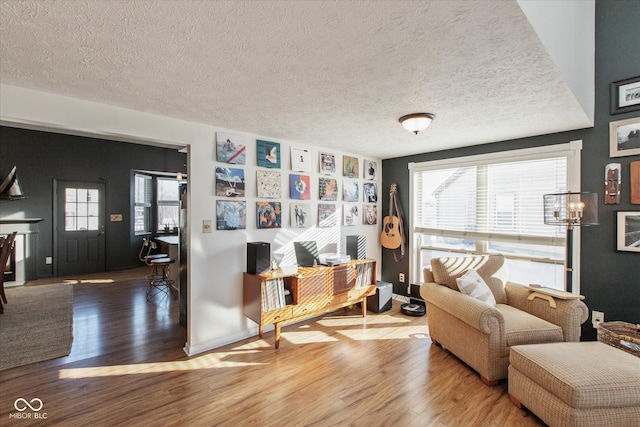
89 281
207 361
392 333
357 320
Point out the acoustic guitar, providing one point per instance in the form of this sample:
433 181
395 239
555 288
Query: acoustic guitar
391 237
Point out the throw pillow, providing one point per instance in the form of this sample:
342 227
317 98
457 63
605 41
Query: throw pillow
470 283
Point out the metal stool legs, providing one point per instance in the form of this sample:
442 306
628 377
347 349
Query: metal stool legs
159 281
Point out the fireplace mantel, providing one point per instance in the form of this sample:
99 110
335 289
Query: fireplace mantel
26 247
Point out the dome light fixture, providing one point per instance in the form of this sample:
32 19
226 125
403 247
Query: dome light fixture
416 122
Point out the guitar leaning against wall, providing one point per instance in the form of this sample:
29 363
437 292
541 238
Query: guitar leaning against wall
392 236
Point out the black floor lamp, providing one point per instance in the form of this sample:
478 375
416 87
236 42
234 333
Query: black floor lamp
570 210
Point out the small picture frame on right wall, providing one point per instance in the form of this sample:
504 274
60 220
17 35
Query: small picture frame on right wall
625 95
634 183
624 137
629 231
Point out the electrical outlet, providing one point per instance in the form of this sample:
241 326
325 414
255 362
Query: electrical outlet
48 260
401 277
597 317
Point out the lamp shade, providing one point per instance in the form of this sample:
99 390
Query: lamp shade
571 209
416 122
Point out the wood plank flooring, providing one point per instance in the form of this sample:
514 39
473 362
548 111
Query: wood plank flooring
127 367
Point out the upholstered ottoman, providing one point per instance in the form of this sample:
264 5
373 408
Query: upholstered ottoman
576 383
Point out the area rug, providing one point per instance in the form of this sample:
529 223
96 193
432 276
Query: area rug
37 324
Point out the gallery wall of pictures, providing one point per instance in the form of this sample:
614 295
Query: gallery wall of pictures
312 188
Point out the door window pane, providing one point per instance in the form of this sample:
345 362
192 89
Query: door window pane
81 204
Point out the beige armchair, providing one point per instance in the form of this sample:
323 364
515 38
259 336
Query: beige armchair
481 334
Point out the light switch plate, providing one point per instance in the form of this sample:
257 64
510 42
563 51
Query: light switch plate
206 226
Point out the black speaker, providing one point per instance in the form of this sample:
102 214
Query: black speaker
258 257
357 247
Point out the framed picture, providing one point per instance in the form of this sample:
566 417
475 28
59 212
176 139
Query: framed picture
634 185
629 231
327 164
351 214
624 137
300 215
625 96
328 189
268 215
299 187
350 167
300 159
269 184
370 169
229 182
370 192
230 148
231 215
268 154
370 214
350 191
327 216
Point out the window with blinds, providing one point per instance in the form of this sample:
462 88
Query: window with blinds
493 204
143 193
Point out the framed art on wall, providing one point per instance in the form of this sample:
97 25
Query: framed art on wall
299 187
268 215
300 159
231 215
268 154
370 169
624 137
634 183
629 231
327 163
269 184
327 216
229 182
328 189
230 148
625 95
300 215
350 167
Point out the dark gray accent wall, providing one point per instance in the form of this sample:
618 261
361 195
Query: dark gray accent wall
42 157
610 279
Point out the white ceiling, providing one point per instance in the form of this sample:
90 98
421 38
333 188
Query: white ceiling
335 74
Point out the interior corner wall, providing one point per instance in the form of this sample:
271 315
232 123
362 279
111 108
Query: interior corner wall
610 279
566 29
217 260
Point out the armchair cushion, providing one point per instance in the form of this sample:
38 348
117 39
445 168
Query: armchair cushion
524 328
470 283
491 268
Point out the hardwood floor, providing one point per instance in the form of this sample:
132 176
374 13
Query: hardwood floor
127 367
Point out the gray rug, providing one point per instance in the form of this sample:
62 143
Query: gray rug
37 324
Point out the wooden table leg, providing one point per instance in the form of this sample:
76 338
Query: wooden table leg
364 307
260 330
277 335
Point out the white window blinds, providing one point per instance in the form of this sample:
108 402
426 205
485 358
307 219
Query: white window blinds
490 197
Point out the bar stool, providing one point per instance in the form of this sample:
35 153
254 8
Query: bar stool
159 281
150 245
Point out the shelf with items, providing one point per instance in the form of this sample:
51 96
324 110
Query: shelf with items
313 291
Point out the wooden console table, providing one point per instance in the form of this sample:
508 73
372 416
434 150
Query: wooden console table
313 291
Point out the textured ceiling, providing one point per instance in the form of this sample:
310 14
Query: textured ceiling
324 73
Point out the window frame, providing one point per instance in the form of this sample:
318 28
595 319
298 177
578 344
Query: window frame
570 150
159 203
146 205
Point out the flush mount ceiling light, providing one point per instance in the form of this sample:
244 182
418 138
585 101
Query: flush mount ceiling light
416 122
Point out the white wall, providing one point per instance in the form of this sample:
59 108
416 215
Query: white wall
567 30
216 260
